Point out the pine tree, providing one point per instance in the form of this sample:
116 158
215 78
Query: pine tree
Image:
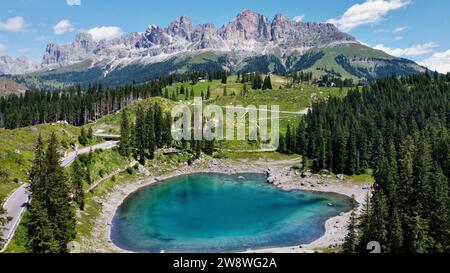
351 240
167 130
288 139
339 152
125 133
78 179
83 137
395 232
224 77
37 174
208 93
57 200
417 240
364 226
282 144
421 174
166 93
41 238
209 147
3 222
90 134
301 139
158 124
352 154
150 137
52 219
440 210
267 83
140 134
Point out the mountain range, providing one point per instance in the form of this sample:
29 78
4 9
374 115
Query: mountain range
251 42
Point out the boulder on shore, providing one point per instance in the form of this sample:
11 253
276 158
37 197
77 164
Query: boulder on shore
340 177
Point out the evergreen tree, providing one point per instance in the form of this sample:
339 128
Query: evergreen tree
440 208
83 137
208 93
395 231
37 174
140 134
150 133
267 83
379 220
209 147
166 93
158 124
352 155
3 222
125 133
421 174
350 243
257 81
282 144
224 77
167 130
301 139
288 139
90 134
57 200
364 226
78 179
41 238
52 219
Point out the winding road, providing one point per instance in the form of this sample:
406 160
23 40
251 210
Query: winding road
17 202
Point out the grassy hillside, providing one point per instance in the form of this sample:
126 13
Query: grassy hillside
16 151
361 62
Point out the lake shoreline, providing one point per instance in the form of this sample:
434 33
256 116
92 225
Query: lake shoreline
285 179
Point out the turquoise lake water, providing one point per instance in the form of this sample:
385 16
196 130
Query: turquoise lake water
221 213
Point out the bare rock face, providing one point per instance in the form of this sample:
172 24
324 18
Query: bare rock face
248 25
79 50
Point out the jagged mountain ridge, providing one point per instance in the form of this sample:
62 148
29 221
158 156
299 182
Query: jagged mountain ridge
250 42
248 34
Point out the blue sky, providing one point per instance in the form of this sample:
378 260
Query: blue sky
414 29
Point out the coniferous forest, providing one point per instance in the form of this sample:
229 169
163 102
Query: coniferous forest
399 128
79 105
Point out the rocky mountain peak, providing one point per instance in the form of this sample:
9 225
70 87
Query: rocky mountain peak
181 27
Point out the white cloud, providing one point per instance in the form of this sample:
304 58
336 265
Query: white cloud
14 24
439 61
73 2
398 38
63 27
369 12
413 51
399 29
3 47
299 18
105 32
41 38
